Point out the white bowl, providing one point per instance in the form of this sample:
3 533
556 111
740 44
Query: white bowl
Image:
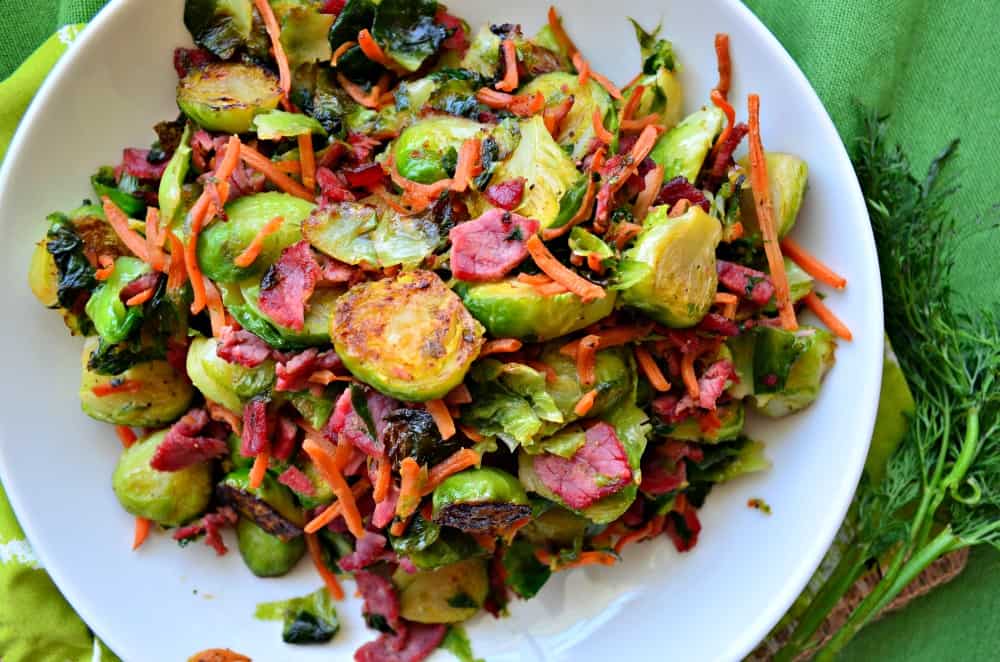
165 603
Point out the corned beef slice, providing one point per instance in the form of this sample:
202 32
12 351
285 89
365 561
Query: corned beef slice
487 248
598 469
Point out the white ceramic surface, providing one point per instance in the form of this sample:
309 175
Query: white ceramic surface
164 603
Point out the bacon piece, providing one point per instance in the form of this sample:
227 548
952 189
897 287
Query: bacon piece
367 176
362 147
346 423
506 195
293 371
334 272
713 382
719 325
285 435
669 409
745 282
487 248
683 526
294 479
242 347
599 468
257 428
144 282
679 188
723 152
367 551
457 40
288 284
333 187
380 599
184 444
420 642
385 510
210 526
186 59
332 7
664 471
136 163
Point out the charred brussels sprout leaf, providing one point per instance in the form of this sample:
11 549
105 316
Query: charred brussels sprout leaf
409 336
75 275
277 124
219 26
419 535
525 574
449 547
104 184
726 461
407 31
306 628
225 96
413 433
354 17
311 619
271 505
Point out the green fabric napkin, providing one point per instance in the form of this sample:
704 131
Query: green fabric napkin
932 64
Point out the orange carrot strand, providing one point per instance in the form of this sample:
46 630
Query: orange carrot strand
510 79
252 251
259 469
307 159
329 579
832 322
811 264
442 417
142 526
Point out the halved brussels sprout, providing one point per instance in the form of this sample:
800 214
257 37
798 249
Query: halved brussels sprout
484 499
662 93
221 243
344 231
450 594
548 171
323 492
511 309
43 276
676 259
228 384
577 128
789 366
225 96
112 319
614 373
422 150
682 150
162 396
732 416
483 55
787 175
219 26
557 525
304 33
271 505
741 349
265 554
316 327
169 498
799 283
408 336
277 124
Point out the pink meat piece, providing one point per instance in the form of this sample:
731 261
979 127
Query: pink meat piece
294 479
713 382
367 551
242 347
184 444
599 468
745 282
289 283
421 640
489 247
257 428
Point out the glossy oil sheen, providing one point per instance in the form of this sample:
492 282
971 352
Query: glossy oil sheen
165 603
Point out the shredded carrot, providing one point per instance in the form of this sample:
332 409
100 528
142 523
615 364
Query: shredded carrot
719 99
114 386
307 159
177 272
725 298
586 360
329 579
416 189
687 374
534 279
595 263
559 33
583 213
625 233
202 207
107 267
468 164
636 125
610 337
680 208
259 469
550 289
219 413
442 418
811 265
225 168
274 32
628 110
561 274
582 66
460 394
327 377
373 51
521 105
640 150
126 435
411 475
765 218
398 527
733 232
652 184
252 251
500 346
553 116
154 241
604 538
343 48
383 481
648 530
725 63
729 310
550 373
585 403
263 165
832 322
460 460
471 434
390 200
367 99
216 311
509 81
486 540
600 132
650 369
583 559
327 466
119 223
140 298
142 526
333 511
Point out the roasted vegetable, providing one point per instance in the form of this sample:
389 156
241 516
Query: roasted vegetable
225 96
228 384
789 367
169 498
271 506
265 554
219 26
662 93
112 319
450 594
412 433
43 276
682 150
408 336
407 32
148 394
511 309
556 526
421 152
731 416
171 190
576 130
277 124
787 175
477 500
316 329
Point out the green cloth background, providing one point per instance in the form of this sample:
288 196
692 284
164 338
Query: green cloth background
933 64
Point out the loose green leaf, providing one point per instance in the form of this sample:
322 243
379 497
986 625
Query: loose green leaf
407 32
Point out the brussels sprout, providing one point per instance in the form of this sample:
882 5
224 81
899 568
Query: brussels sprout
615 380
523 572
413 433
316 327
557 526
323 494
662 93
315 410
277 124
265 554
228 384
732 416
43 276
729 460
271 505
682 150
169 498
343 231
408 336
741 348
106 184
164 394
511 309
225 96
577 128
219 26
483 55
788 368
172 183
787 175
304 34
485 499
407 31
422 148
677 259
112 319
221 243
548 170
311 619
450 594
